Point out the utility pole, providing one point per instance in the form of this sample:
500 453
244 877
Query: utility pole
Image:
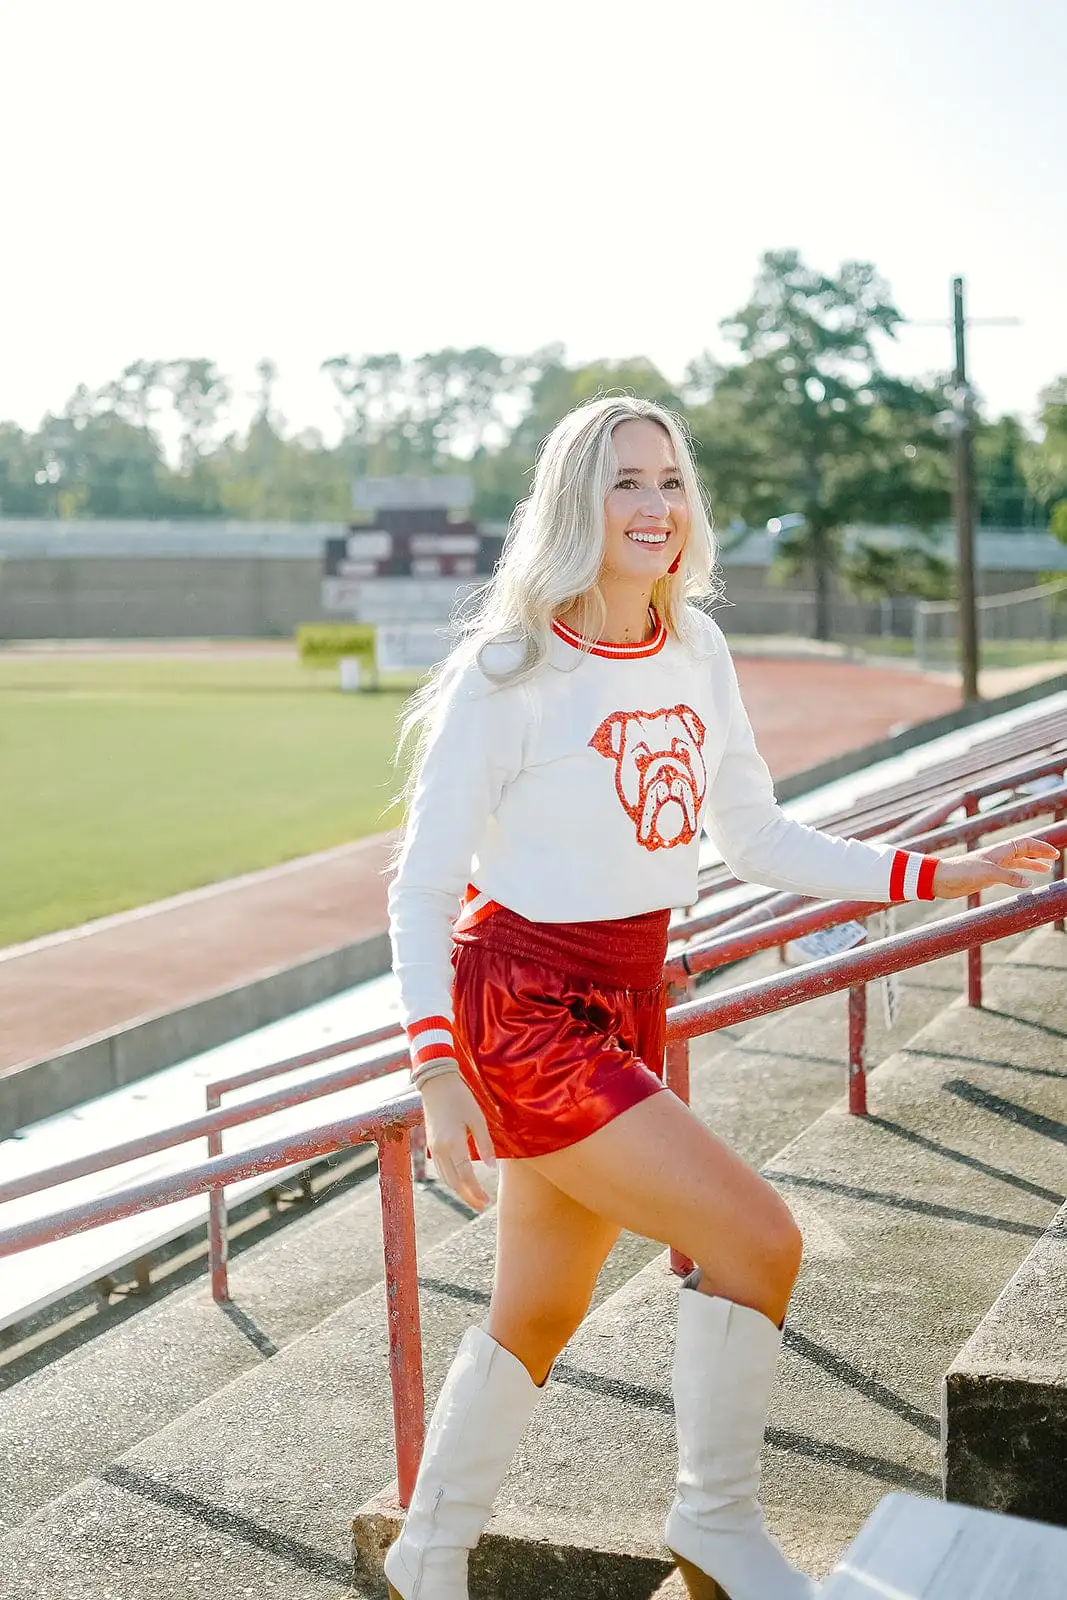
963 503
959 423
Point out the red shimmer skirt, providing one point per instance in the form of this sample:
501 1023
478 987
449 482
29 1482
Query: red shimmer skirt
560 1026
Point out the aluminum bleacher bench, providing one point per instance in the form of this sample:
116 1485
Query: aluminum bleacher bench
913 1549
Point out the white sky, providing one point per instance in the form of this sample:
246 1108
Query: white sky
239 178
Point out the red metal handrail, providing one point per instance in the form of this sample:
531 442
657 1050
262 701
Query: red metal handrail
874 812
731 947
218 1234
389 1128
765 934
147 1144
778 903
898 953
309 1058
853 970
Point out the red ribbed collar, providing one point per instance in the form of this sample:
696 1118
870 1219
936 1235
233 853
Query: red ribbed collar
614 652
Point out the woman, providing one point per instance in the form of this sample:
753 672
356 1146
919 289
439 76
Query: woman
571 749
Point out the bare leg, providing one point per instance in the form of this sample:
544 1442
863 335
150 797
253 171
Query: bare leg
550 1249
549 1252
657 1170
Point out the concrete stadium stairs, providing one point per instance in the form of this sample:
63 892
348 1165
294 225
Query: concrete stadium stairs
180 1455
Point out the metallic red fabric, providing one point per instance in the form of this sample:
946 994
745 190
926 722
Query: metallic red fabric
560 1026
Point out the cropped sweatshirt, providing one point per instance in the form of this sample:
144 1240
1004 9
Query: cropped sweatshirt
578 794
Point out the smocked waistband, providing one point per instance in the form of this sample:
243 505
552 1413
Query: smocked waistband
625 953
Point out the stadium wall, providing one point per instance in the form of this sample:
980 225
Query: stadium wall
88 580
158 598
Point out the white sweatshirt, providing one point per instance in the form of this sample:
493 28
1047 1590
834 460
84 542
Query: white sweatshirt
578 795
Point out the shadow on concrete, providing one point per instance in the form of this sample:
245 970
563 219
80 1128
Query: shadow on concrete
863 1384
1047 1127
969 1059
840 1455
76 1321
232 1523
447 1198
251 1329
899 1202
885 1471
455 1291
937 1148
792 1055
634 1394
1027 1022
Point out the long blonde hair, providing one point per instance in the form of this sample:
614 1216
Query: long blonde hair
553 551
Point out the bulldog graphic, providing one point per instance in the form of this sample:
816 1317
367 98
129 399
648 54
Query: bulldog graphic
660 775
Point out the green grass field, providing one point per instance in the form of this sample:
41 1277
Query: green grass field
126 780
996 653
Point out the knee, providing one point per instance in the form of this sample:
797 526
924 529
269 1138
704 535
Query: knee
535 1335
552 1327
780 1245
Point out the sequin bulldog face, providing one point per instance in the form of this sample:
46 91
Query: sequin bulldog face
659 771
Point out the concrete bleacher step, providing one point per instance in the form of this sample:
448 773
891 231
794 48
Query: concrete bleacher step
252 1491
914 1219
89 1407
224 1481
1004 1404
171 1359
774 1076
122 1382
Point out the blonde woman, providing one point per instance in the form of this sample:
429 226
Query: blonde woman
573 745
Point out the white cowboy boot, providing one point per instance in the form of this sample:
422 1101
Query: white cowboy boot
724 1365
477 1425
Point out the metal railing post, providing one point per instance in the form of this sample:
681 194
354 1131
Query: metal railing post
1057 871
402 1303
418 1153
974 954
857 1042
857 1050
218 1241
676 1076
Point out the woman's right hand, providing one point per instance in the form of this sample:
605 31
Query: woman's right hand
451 1112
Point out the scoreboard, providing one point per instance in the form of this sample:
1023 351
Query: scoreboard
411 537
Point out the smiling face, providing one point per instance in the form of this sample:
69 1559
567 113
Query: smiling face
646 513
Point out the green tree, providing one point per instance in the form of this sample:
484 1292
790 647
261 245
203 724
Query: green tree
1045 461
268 478
877 572
20 493
807 422
131 395
89 461
556 387
542 387
426 414
1004 497
199 393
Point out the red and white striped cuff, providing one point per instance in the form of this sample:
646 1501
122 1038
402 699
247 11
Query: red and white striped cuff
911 876
475 907
430 1040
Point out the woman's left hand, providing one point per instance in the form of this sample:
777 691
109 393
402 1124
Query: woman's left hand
1011 862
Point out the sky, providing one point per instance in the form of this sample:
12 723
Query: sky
239 180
